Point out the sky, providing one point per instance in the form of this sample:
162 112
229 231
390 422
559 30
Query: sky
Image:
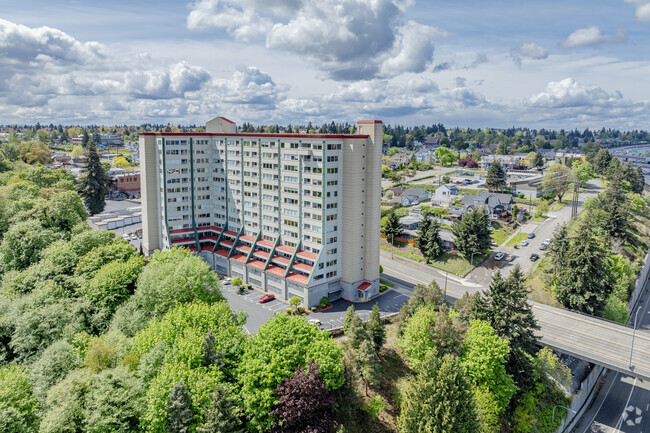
468 63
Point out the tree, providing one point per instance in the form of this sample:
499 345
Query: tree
294 301
601 161
426 295
18 406
496 177
349 315
538 160
392 228
505 307
281 345
77 151
614 214
65 404
558 178
114 402
582 282
428 238
85 138
484 357
440 399
93 184
445 156
179 409
304 403
120 162
376 328
221 415
368 362
582 171
64 211
558 249
59 359
472 232
22 244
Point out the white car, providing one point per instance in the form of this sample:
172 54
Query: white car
134 237
499 256
125 236
524 243
227 280
316 322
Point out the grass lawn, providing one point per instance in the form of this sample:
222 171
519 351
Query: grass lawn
398 251
539 218
565 201
457 264
518 238
386 283
386 208
499 237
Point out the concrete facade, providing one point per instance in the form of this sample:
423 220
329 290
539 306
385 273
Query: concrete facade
294 214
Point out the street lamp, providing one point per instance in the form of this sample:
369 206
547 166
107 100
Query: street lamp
392 246
633 335
558 405
471 263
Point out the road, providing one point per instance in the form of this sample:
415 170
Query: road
543 230
623 403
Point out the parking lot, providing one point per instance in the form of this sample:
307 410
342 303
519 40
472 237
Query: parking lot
389 303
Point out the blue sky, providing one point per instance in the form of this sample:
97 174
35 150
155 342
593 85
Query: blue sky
553 64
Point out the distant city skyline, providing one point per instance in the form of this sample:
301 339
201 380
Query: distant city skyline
471 63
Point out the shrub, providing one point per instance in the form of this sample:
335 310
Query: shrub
236 282
325 301
289 310
302 310
241 289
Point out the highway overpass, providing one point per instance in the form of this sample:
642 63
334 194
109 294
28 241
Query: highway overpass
594 340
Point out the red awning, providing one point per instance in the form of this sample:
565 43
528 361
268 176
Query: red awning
364 286
298 278
258 264
222 252
265 243
275 270
280 259
302 267
238 257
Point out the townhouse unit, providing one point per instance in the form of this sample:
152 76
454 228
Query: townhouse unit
293 214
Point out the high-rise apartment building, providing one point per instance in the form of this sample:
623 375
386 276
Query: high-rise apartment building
294 214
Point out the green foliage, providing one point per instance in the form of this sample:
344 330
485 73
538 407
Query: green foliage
63 211
221 415
236 282
483 360
558 178
496 178
615 310
179 409
374 407
65 404
56 361
488 410
91 262
175 277
439 400
182 331
583 171
105 352
376 328
114 402
93 183
294 301
430 295
472 232
281 345
111 286
18 406
22 244
391 227
445 156
428 238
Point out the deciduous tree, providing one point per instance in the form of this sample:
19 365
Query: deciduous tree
558 178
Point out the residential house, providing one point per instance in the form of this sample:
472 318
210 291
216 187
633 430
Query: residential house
495 204
410 224
415 196
400 158
397 193
563 157
506 161
530 186
425 156
446 192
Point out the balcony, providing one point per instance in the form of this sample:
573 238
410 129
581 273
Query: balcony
307 255
298 278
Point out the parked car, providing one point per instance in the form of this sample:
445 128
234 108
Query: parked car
531 235
547 241
510 257
493 244
227 280
139 235
534 257
125 236
134 237
317 322
543 246
482 185
524 243
499 256
267 298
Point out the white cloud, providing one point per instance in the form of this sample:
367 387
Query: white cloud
642 10
530 51
592 37
355 39
569 93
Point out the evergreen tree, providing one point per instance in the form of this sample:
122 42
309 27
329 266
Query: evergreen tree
446 333
85 138
538 161
472 232
179 409
356 332
601 161
376 329
433 244
440 400
582 283
559 247
421 238
496 178
93 183
368 364
210 354
638 184
349 314
221 415
304 405
615 215
505 306
430 295
392 228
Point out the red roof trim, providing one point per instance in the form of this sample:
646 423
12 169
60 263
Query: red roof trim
227 120
256 264
247 238
206 247
303 267
179 241
239 257
230 233
261 253
265 243
282 260
275 270
244 248
222 252
300 279
307 255
208 238
206 228
285 248
226 242
241 134
366 122
173 232
364 286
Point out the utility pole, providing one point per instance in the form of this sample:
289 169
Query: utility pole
574 202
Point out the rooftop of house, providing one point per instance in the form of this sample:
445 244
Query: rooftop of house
491 199
414 192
